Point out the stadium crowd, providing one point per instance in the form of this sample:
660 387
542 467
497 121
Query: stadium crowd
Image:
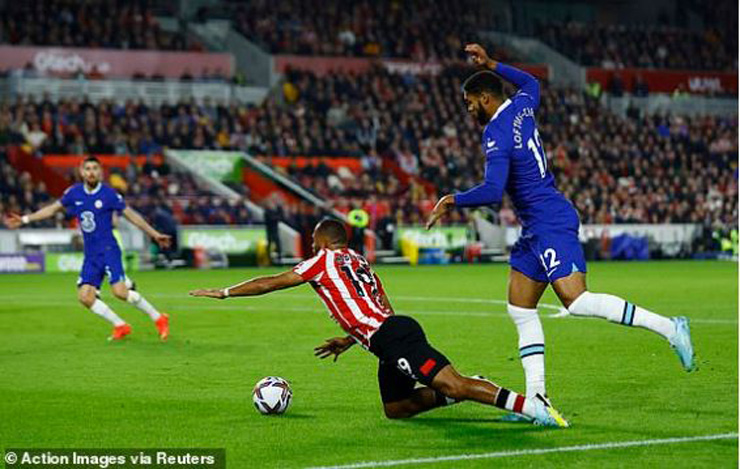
19 193
651 169
156 190
160 193
113 24
416 29
624 46
428 31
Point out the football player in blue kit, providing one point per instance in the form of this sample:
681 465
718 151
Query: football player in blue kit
94 203
548 251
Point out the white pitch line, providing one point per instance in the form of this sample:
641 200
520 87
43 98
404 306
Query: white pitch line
190 304
531 452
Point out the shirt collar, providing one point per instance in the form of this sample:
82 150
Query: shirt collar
94 191
503 106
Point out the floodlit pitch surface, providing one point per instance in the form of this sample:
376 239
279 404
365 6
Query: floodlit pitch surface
63 385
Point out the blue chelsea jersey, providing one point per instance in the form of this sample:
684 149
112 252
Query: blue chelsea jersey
94 210
516 162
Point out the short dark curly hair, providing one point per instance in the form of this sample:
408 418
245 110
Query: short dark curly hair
483 81
334 231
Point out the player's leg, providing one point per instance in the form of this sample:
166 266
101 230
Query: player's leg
404 344
527 283
391 344
400 399
90 278
461 388
86 296
130 284
575 296
122 292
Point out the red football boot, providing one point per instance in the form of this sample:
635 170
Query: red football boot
119 332
163 326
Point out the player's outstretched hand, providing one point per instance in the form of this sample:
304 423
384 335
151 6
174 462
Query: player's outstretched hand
13 221
479 56
443 206
334 346
209 293
164 241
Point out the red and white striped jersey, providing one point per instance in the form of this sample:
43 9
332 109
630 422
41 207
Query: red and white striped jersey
350 290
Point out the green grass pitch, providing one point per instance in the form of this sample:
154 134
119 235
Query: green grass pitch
63 385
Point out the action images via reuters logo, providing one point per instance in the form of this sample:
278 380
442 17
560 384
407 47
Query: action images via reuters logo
110 458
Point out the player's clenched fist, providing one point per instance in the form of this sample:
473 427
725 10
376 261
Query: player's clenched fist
479 56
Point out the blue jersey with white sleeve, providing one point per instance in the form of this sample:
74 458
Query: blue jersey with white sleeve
94 210
516 161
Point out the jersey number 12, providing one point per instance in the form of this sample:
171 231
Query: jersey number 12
535 144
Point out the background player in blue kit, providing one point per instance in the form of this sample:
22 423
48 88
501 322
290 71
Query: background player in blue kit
548 250
94 204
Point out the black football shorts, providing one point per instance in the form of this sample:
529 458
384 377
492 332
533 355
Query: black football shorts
405 358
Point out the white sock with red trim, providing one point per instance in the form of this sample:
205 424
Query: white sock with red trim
514 402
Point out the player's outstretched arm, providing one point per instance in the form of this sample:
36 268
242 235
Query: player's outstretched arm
519 78
254 287
14 220
133 216
334 346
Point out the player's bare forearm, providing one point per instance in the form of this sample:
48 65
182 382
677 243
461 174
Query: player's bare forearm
254 287
46 212
257 286
134 217
14 221
164 241
491 64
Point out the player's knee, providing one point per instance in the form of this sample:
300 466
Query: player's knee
121 293
395 410
87 298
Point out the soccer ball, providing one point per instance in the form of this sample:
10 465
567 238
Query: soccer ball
272 395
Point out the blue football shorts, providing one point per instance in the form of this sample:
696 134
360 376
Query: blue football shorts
548 255
98 265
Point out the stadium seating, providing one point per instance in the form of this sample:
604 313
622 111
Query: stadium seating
416 29
652 169
19 193
637 158
623 46
105 24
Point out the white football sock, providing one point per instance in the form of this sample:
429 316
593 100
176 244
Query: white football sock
531 347
144 306
128 282
104 311
617 310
